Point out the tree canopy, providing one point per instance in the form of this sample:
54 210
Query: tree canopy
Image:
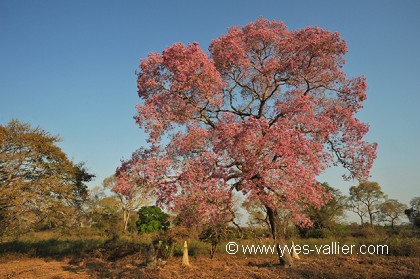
391 211
36 177
365 200
152 219
266 112
413 213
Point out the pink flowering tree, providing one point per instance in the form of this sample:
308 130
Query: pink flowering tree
131 187
264 113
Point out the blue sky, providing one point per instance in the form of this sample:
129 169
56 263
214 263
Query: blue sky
69 67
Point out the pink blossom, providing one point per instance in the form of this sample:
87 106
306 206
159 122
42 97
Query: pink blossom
267 112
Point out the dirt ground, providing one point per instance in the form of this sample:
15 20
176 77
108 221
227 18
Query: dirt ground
223 266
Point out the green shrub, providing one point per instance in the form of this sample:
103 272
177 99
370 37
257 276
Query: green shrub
152 219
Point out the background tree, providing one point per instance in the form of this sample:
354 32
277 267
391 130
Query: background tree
391 211
358 208
365 199
126 195
152 219
264 115
213 234
328 216
38 183
81 176
102 211
413 213
130 186
81 201
257 214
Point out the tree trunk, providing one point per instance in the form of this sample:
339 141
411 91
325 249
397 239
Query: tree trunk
213 250
279 236
371 219
126 217
361 219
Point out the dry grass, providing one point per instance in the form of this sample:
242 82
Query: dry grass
54 255
132 266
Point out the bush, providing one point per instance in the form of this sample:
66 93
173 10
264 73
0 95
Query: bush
320 233
164 245
408 247
152 219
